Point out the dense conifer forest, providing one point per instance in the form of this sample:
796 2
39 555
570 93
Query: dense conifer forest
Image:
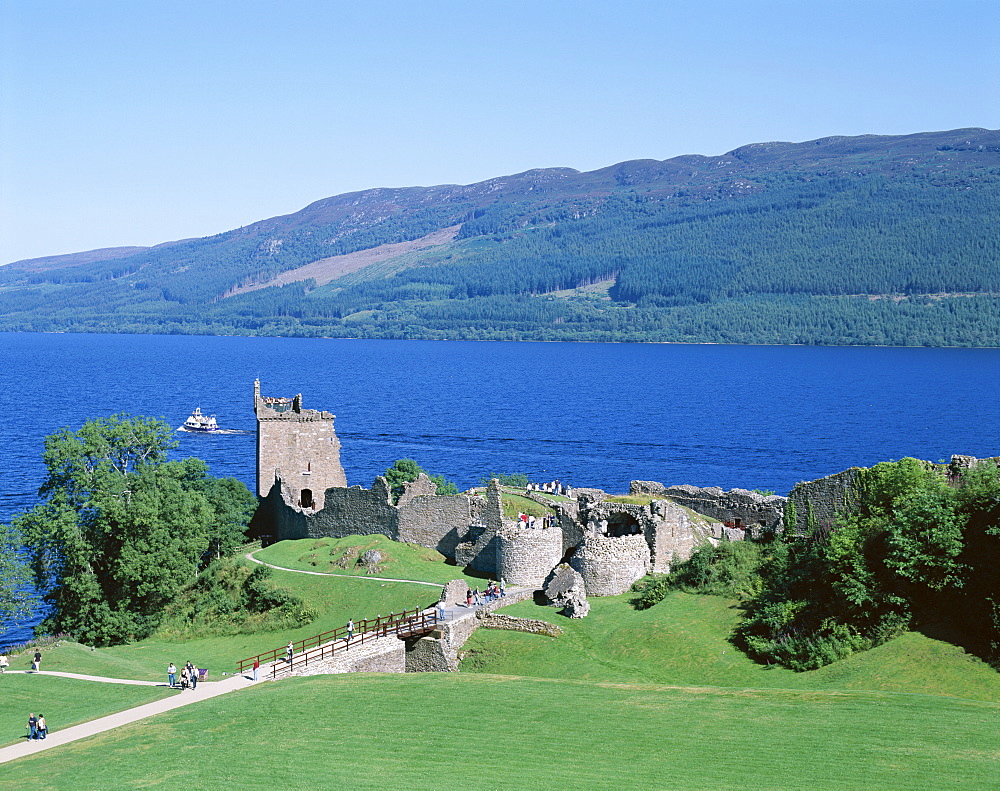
865 240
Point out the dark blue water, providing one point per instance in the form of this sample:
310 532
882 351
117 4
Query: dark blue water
589 414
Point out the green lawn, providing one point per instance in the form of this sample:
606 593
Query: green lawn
682 640
335 598
63 701
402 561
469 731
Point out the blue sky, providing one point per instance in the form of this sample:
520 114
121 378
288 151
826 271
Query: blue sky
128 123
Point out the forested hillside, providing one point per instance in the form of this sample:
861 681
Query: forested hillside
845 240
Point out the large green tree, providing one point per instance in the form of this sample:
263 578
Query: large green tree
16 598
120 529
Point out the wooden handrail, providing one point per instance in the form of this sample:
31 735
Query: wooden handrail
382 624
405 623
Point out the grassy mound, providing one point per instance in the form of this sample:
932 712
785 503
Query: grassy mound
63 701
344 556
683 640
433 731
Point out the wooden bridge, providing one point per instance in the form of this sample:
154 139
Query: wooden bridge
322 647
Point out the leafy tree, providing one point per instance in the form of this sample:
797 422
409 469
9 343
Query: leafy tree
404 471
16 598
120 529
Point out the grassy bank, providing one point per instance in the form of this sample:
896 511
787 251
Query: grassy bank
683 640
430 731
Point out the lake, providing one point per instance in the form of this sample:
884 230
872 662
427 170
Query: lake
600 415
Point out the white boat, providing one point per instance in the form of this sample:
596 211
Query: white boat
200 422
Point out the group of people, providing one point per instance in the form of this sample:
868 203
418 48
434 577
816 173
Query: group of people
188 676
37 729
552 487
530 520
494 591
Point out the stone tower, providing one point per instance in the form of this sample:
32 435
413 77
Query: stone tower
297 449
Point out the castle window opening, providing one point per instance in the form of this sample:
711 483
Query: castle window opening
306 498
622 525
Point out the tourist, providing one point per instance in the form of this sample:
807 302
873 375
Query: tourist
440 611
256 667
531 521
503 587
350 630
192 675
37 664
185 678
43 729
171 675
289 652
475 595
468 597
4 664
32 726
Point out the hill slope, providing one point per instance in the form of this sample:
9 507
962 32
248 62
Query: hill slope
870 240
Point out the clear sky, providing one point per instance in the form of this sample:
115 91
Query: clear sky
134 123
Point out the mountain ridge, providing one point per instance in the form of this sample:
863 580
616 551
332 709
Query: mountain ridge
680 239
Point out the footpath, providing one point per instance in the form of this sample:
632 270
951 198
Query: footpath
204 690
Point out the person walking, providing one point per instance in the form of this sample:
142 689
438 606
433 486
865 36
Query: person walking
4 664
32 726
503 587
192 675
185 679
468 597
289 652
256 667
350 630
37 664
43 729
171 675
440 611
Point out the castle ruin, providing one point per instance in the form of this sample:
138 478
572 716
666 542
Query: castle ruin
611 542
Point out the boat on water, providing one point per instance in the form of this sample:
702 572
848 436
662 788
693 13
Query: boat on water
200 422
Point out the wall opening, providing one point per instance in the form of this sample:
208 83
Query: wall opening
306 498
622 524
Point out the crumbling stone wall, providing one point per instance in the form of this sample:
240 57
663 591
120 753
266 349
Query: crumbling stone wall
675 535
751 508
512 623
825 496
609 566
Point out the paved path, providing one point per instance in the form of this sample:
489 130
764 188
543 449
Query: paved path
104 679
250 556
205 690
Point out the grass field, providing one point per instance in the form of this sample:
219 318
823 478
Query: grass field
462 731
335 598
63 701
682 640
656 698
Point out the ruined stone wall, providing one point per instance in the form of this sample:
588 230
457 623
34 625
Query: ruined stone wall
609 566
436 521
477 546
674 535
749 507
512 623
526 555
826 495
